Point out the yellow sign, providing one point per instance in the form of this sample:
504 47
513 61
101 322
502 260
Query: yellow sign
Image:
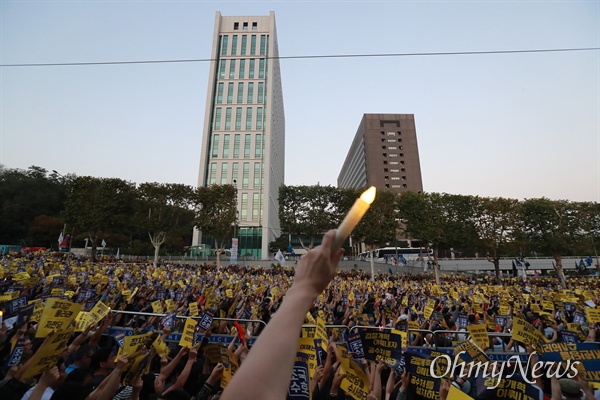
133 344
307 346
57 315
523 331
356 383
193 307
187 336
592 315
157 307
48 354
161 347
321 333
230 365
479 334
99 311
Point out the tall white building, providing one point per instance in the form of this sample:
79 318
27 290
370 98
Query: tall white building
243 140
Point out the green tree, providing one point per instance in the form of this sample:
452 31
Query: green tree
99 206
24 196
161 209
216 214
495 220
590 225
551 226
309 211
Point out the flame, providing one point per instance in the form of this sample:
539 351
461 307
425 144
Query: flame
368 195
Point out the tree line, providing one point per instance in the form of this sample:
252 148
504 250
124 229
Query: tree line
154 217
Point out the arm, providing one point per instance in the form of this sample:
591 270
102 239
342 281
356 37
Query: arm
183 377
376 391
109 386
267 371
50 377
403 392
211 382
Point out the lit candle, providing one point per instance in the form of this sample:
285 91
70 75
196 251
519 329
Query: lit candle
360 207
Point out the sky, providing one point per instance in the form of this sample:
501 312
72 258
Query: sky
519 125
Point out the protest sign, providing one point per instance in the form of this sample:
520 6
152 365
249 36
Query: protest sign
524 332
515 387
479 334
321 333
189 330
48 354
472 352
57 315
422 385
230 366
307 346
382 346
193 308
133 344
299 384
356 383
206 320
160 346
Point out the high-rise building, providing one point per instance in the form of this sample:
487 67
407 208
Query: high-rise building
243 141
384 154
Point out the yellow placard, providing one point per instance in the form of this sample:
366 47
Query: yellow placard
457 394
479 334
230 365
170 305
427 312
524 332
307 346
193 307
161 347
99 311
133 344
57 315
48 354
187 336
356 383
321 333
157 307
82 321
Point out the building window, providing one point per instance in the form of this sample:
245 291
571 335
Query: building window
217 125
404 186
245 175
261 86
228 119
393 162
230 93
261 68
236 26
255 206
244 206
234 172
233 45
256 175
392 148
251 71
403 170
247 140
238 118
259 117
263 44
242 69
394 170
225 146
253 45
222 69
396 186
393 155
401 162
245 26
215 146
213 174
395 178
258 147
250 92
224 174
391 140
383 147
220 93
401 154
254 26
231 69
224 41
391 133
384 154
244 42
248 118
236 147
240 93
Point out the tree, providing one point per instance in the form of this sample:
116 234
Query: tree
309 211
495 220
552 227
99 206
437 219
25 195
161 208
590 225
216 214
379 226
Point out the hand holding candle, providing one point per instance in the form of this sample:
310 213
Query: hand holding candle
360 207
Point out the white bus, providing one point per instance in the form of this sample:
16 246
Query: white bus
387 254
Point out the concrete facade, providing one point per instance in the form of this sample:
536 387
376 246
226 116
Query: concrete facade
385 154
243 140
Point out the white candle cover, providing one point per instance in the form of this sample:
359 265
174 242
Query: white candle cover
360 207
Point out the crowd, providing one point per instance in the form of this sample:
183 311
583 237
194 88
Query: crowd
74 329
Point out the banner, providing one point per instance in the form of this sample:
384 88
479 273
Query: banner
514 387
230 364
422 386
356 383
524 332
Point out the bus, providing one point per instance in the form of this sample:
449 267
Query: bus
387 254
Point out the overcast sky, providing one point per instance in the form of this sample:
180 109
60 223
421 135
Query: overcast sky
509 125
